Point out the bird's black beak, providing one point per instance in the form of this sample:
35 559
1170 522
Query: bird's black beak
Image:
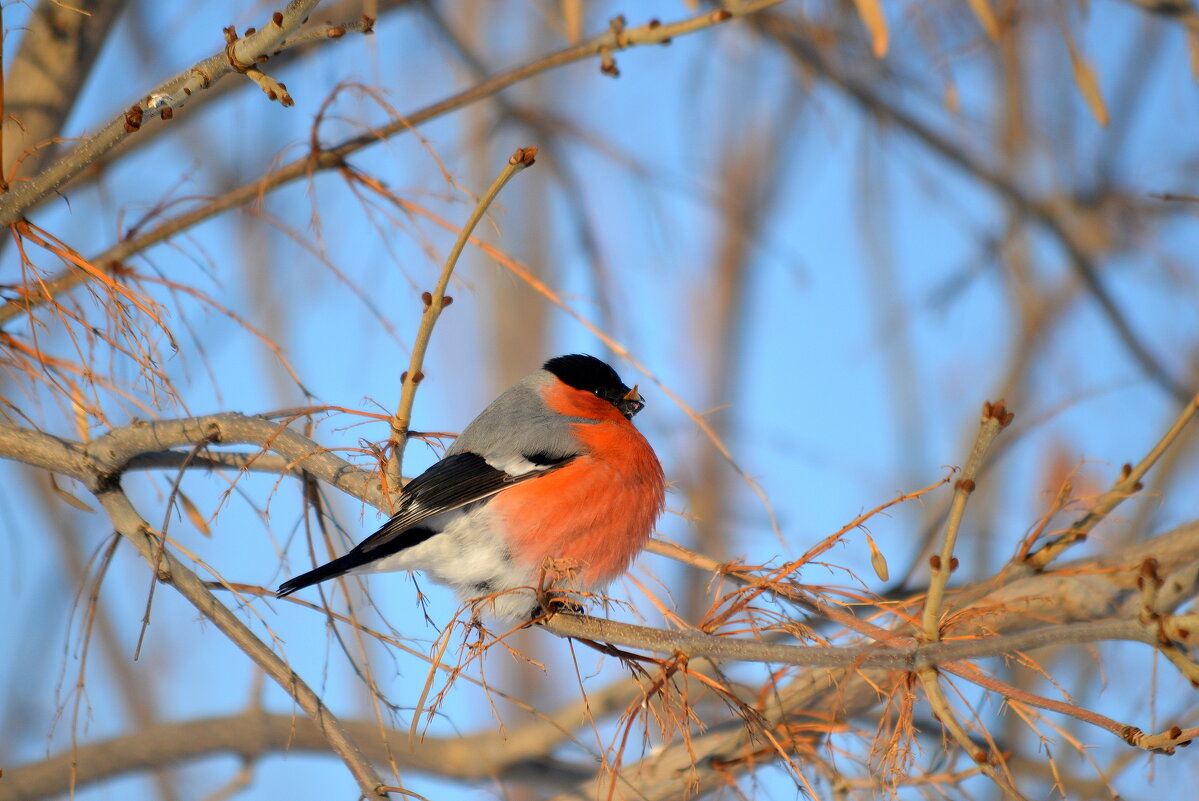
630 403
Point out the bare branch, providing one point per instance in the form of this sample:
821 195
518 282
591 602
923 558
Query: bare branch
697 644
518 754
130 525
58 47
239 56
995 417
332 157
435 302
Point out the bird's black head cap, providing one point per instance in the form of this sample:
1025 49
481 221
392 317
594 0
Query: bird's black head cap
592 375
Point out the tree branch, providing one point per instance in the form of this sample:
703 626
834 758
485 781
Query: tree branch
518 754
239 56
334 157
697 644
57 50
1081 602
435 302
130 525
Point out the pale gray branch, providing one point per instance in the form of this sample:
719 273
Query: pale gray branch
520 755
697 644
213 460
43 450
172 94
119 448
60 42
130 525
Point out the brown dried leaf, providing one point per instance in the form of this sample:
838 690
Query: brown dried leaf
871 12
877 560
193 514
953 103
986 18
68 498
1088 85
82 429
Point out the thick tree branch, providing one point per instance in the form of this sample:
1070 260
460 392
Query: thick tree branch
130 525
123 447
46 451
239 56
58 47
518 754
697 644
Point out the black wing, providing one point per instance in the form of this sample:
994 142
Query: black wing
452 483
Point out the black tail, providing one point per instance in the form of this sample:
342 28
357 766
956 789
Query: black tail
339 566
382 543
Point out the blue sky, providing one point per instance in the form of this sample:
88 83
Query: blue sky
816 409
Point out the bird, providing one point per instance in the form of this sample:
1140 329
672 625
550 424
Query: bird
551 486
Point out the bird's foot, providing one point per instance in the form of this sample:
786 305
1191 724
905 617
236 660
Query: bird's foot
551 605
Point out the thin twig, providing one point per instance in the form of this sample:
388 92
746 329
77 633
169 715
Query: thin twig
944 712
1125 487
435 301
1026 564
994 417
334 157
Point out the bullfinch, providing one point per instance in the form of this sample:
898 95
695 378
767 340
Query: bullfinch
551 486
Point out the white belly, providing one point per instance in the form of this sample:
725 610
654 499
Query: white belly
470 558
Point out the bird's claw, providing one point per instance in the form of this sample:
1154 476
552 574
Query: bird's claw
554 604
